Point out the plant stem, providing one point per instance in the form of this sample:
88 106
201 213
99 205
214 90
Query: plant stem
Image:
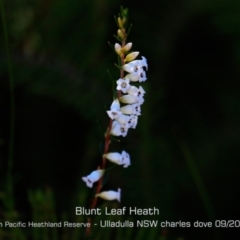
9 185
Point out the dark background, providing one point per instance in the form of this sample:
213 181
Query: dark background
185 149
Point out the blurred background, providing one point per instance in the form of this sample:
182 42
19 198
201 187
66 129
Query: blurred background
185 150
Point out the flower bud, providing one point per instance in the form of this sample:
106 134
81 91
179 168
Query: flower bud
127 47
131 56
118 49
110 195
120 34
120 22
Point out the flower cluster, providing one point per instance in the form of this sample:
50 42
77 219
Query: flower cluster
124 110
126 116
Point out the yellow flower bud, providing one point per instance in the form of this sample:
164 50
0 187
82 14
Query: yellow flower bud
131 56
127 47
120 23
120 34
118 49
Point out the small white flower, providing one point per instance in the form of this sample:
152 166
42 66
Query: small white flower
135 65
93 177
110 195
115 110
120 159
119 129
131 109
128 99
123 84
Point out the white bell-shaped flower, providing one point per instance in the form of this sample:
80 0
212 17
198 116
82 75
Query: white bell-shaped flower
110 195
135 65
120 159
119 129
114 111
93 177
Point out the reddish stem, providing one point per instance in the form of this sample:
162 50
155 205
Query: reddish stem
106 145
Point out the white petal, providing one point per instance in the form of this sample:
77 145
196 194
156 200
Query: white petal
137 109
142 75
115 105
88 182
133 121
125 159
114 114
